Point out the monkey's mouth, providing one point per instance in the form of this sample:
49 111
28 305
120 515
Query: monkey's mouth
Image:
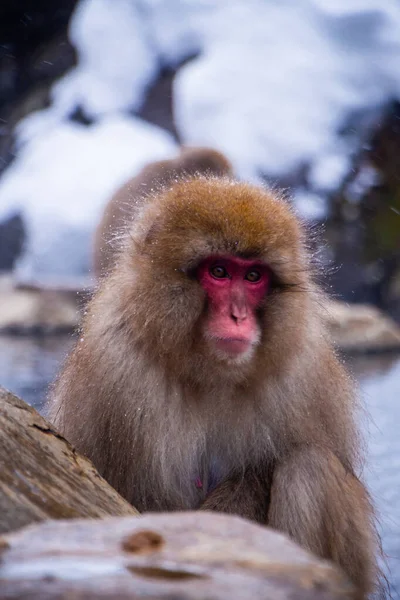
232 345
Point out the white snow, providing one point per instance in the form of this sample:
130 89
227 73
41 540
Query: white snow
280 79
309 205
62 179
116 58
274 84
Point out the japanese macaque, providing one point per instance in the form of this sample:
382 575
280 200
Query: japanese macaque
126 202
204 377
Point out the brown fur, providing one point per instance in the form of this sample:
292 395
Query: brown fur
272 438
126 202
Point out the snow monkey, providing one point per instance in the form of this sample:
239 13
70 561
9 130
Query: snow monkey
204 377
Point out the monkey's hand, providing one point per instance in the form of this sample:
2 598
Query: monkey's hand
245 494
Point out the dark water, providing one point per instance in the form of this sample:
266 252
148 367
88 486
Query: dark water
381 392
28 365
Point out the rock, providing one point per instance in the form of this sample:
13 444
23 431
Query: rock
158 107
12 239
30 309
361 328
177 556
41 475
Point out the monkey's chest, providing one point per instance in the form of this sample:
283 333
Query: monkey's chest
209 475
208 479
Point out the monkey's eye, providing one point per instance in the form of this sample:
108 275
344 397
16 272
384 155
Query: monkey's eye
219 272
253 276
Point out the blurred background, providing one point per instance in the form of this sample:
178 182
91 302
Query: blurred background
303 94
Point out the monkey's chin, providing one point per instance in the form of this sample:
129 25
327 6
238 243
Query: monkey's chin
233 347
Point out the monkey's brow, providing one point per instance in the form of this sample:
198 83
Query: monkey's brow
249 253
193 264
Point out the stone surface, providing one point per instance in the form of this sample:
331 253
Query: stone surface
27 309
362 328
41 475
175 556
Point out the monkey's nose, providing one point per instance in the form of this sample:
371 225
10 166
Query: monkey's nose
238 318
238 306
238 310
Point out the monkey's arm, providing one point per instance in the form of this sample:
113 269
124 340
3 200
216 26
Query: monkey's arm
245 494
327 510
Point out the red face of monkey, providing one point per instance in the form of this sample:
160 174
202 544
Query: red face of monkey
235 287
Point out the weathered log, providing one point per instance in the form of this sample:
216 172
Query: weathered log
185 556
41 475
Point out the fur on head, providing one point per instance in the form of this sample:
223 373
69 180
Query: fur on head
184 225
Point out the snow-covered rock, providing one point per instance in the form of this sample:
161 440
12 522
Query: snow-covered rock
64 176
273 85
278 81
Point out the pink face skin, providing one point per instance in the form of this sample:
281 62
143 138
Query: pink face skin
234 288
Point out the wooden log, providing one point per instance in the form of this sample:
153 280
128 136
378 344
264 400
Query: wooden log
185 556
41 475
